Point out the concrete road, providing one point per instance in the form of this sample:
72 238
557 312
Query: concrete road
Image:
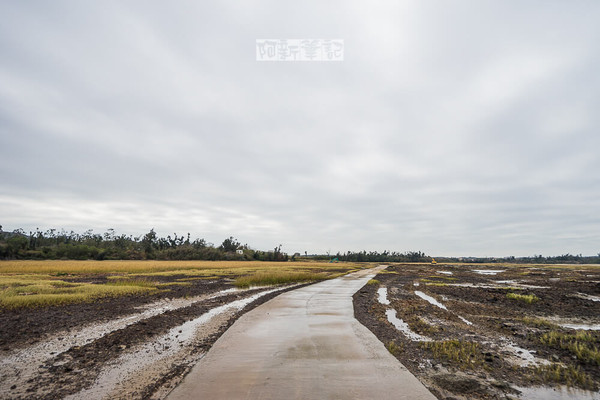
303 344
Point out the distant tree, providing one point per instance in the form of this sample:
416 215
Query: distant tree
230 244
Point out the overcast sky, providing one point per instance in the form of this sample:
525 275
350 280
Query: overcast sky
450 127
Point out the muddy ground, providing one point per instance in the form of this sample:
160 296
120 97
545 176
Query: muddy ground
499 344
126 347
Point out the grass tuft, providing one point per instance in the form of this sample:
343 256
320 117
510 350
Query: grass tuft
393 348
421 326
570 376
463 354
373 282
583 344
526 298
538 322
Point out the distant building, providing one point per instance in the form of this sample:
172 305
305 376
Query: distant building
240 252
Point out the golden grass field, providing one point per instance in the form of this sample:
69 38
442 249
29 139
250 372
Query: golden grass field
26 283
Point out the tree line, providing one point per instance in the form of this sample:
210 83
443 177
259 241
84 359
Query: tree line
54 244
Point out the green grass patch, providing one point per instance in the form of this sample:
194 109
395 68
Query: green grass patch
463 354
583 344
421 326
394 349
446 278
569 375
373 282
525 298
538 322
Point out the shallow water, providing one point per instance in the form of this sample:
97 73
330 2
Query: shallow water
521 356
403 327
585 327
586 296
561 393
392 317
382 296
445 272
488 271
430 300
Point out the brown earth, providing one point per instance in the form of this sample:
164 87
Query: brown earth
26 326
503 330
70 371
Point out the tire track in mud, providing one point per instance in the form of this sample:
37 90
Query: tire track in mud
56 374
23 363
21 360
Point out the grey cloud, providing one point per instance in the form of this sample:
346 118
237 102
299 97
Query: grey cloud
453 128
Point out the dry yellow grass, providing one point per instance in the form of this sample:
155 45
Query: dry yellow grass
42 291
38 283
149 266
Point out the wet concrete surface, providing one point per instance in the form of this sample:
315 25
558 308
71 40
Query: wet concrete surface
305 343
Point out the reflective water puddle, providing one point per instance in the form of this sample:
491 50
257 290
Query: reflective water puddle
403 327
488 271
382 296
585 327
561 393
438 304
392 317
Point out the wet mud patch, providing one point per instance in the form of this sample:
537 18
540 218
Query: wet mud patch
28 326
476 335
150 329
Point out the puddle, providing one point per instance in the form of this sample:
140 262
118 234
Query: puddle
478 285
488 271
585 327
499 285
392 317
430 300
560 393
382 296
169 345
586 296
521 356
403 327
24 363
445 272
416 284
438 304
